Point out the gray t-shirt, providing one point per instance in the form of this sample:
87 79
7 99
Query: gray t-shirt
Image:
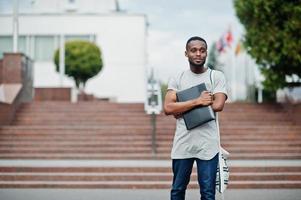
200 142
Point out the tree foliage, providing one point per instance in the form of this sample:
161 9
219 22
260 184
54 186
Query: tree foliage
273 37
82 60
164 87
213 58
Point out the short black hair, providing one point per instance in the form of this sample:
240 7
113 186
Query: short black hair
196 38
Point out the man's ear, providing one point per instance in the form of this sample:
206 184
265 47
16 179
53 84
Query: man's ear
186 54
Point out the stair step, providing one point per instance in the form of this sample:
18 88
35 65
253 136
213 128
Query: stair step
133 148
140 177
75 167
145 185
140 156
161 146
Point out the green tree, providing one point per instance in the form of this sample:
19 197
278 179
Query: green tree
213 58
272 38
163 90
82 60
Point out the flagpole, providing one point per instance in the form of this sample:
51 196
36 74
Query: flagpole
233 67
246 74
232 63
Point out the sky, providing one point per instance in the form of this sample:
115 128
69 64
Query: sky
172 22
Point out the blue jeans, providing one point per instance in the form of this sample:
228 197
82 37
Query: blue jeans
206 170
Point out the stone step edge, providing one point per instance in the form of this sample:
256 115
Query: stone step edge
238 185
136 163
94 126
138 174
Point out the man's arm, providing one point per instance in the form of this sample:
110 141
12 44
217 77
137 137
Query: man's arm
172 107
219 100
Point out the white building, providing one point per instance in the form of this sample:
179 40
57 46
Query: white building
121 37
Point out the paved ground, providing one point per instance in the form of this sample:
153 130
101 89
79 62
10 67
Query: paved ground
113 194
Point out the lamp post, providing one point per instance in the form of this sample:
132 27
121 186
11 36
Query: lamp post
153 106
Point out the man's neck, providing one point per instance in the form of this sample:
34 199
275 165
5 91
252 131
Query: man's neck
197 69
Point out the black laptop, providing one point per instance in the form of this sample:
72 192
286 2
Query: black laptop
198 115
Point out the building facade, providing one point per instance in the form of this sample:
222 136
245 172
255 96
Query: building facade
121 36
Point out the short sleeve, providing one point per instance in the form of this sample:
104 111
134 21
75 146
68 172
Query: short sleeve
174 82
220 85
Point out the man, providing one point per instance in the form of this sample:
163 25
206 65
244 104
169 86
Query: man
200 144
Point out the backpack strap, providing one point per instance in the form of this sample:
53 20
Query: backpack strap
211 70
211 81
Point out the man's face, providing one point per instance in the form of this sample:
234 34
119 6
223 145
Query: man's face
196 53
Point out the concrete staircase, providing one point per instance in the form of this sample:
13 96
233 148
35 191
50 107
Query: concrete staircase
139 177
47 133
94 130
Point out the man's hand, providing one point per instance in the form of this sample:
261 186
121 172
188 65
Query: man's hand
178 115
205 99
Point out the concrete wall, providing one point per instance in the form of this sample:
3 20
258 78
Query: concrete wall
12 68
52 94
17 69
16 84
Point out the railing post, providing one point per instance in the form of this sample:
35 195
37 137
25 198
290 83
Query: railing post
154 128
153 107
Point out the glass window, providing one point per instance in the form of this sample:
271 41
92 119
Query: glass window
93 38
44 48
77 37
22 45
6 45
24 6
6 6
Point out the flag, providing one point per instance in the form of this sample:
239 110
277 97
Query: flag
220 45
229 38
239 47
225 41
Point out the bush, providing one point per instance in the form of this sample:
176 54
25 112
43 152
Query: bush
82 60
